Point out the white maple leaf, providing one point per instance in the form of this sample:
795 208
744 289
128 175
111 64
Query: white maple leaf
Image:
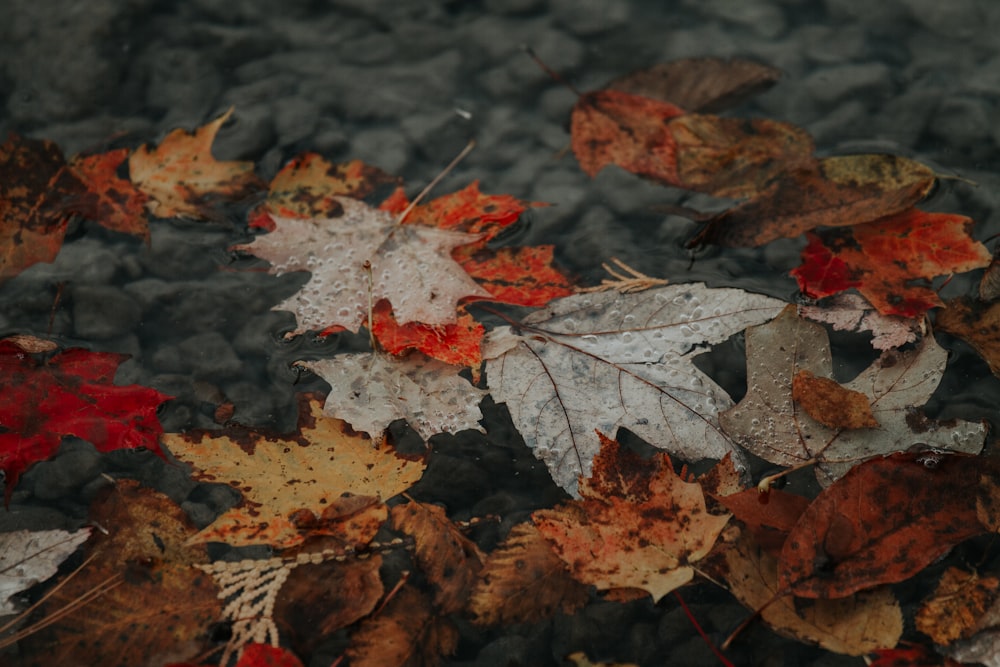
770 424
29 557
852 312
410 265
370 391
609 360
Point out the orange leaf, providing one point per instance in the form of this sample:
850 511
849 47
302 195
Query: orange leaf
307 185
830 403
458 344
182 178
954 610
523 276
112 202
769 516
976 323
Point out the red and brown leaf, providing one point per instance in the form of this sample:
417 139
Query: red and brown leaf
459 344
975 322
830 403
71 393
768 516
885 259
112 202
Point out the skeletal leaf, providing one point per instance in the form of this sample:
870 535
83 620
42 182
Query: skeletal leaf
606 361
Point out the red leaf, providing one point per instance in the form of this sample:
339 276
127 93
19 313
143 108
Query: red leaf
458 344
467 210
73 393
522 276
769 516
883 258
112 202
263 655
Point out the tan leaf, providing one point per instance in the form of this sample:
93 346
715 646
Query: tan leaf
288 481
523 581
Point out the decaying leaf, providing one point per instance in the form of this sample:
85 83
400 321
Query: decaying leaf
956 606
882 522
182 178
71 393
831 404
458 344
977 323
705 85
112 202
890 260
768 517
523 581
638 524
294 483
851 312
853 625
29 557
610 361
771 425
369 391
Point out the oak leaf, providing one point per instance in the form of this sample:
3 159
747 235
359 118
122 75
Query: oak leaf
638 524
771 425
371 390
609 361
182 178
71 393
882 522
523 581
28 557
293 484
889 260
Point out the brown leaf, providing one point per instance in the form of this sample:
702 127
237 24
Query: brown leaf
884 521
977 323
406 632
449 559
831 404
956 606
112 202
768 516
523 581
705 85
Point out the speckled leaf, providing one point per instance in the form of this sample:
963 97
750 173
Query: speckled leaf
112 202
851 312
29 557
611 360
370 391
958 603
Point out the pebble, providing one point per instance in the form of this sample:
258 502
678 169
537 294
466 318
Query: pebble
206 355
102 312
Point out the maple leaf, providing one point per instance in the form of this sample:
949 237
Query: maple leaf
28 557
458 344
264 655
363 254
152 603
523 581
181 177
37 191
370 391
956 606
768 516
882 522
831 192
71 393
884 259
610 361
851 312
705 85
771 425
110 201
290 480
977 323
638 525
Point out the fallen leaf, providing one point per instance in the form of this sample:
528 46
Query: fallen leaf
407 631
458 344
977 323
308 186
182 178
853 625
71 393
705 85
29 557
37 192
449 560
888 259
370 391
523 581
264 655
831 404
956 606
832 192
580 659
881 523
289 482
851 312
768 516
610 361
911 656
638 525
771 425
151 606
112 202
361 254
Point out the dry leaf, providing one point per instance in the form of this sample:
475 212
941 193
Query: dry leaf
610 361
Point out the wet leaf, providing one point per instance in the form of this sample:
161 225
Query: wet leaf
264 655
882 522
29 557
705 85
71 393
523 581
910 656
767 516
977 323
370 391
771 425
458 344
832 192
112 202
182 178
955 608
294 484
638 525
831 404
850 312
889 260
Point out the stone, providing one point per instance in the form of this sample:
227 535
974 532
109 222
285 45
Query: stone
73 466
589 18
205 355
101 312
762 18
832 85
